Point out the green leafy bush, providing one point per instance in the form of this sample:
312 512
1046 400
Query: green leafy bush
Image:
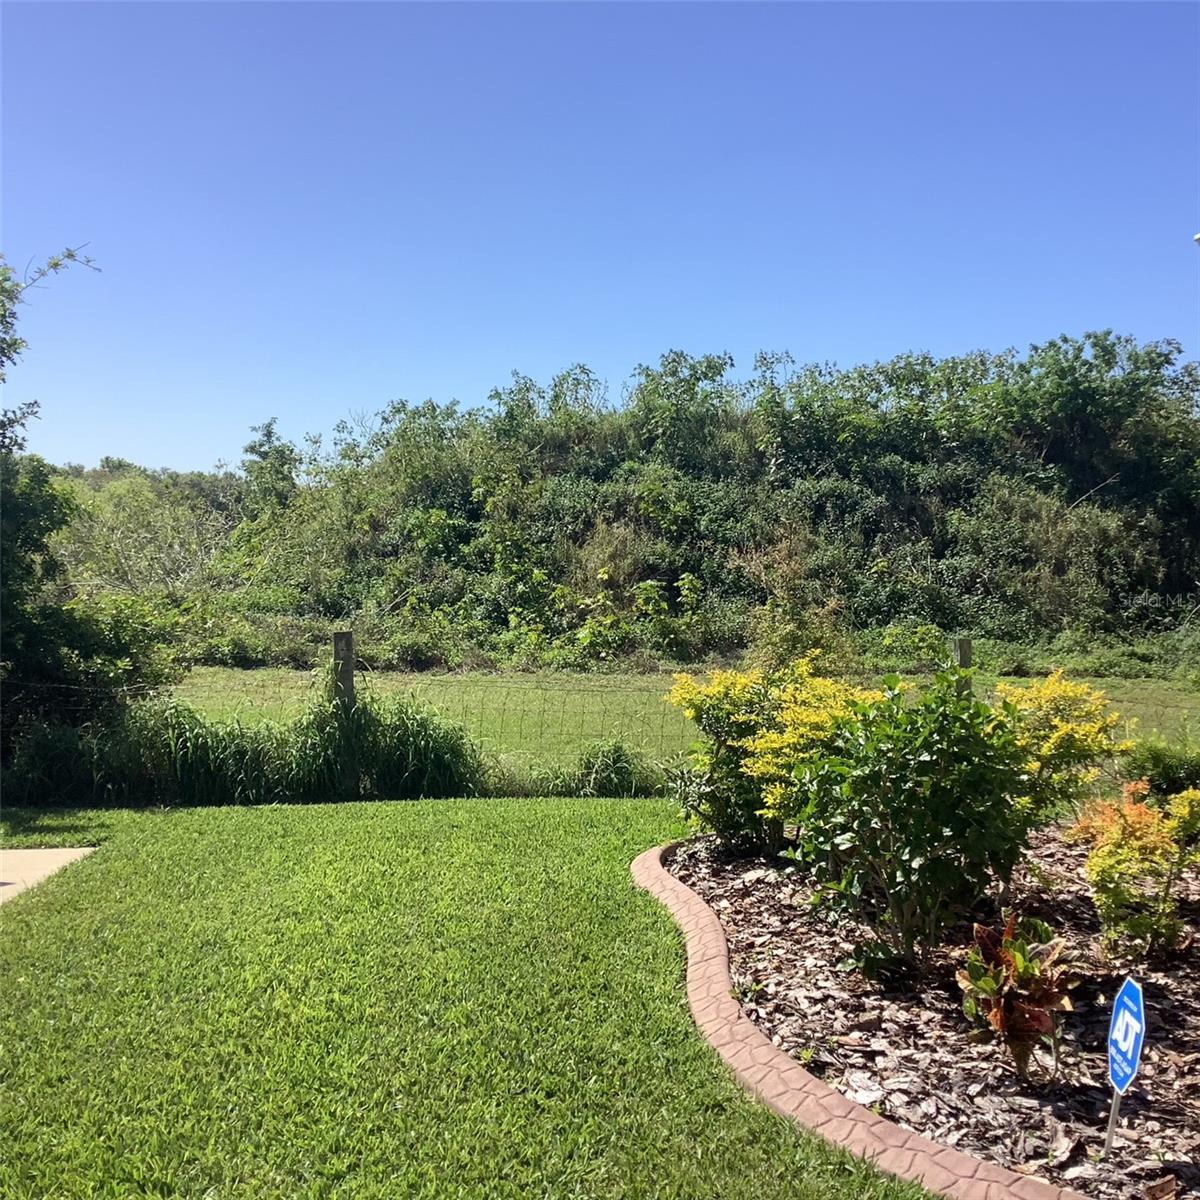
756 726
912 809
1168 767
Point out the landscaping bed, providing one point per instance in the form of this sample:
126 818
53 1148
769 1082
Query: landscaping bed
907 1051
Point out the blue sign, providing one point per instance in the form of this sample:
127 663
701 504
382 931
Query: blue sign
1125 1033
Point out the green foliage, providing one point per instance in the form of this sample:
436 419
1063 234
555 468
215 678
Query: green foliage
1139 855
1066 729
756 725
60 659
1048 504
164 752
912 810
1016 981
611 768
1168 767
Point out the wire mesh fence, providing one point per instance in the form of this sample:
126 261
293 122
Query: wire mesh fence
546 718
549 717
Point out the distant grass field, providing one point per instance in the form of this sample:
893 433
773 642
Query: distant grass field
430 1000
548 716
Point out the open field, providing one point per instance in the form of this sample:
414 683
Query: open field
545 716
548 716
428 999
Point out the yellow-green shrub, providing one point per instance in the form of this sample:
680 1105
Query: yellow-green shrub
1140 852
757 726
1067 729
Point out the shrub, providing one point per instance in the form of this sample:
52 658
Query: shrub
911 809
610 768
1066 729
1167 767
910 646
756 725
1139 854
405 750
1016 982
163 752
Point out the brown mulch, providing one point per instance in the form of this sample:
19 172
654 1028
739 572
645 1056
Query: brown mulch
907 1051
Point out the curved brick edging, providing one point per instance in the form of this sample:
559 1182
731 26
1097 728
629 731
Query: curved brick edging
780 1081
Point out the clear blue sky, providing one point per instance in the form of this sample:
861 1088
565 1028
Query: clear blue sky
308 210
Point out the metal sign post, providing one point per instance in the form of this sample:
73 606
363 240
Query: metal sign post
1126 1030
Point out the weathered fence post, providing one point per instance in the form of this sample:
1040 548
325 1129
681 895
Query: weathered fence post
343 692
343 662
962 658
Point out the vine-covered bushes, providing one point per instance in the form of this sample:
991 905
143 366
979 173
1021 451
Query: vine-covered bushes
1046 502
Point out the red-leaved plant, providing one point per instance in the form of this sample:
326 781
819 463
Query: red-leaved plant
1016 981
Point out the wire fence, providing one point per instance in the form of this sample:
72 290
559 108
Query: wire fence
546 717
549 717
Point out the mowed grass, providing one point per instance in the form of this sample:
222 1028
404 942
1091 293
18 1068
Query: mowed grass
549 716
429 999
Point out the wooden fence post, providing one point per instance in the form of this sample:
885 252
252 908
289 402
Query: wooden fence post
343 662
343 691
962 658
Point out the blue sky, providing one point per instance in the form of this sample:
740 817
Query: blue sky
308 210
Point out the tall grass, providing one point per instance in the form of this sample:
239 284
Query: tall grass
160 751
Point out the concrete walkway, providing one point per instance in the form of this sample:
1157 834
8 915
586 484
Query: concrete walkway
21 869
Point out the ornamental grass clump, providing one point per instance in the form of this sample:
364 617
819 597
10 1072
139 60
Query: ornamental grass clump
160 751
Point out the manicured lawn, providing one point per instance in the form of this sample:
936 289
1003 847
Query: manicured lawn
546 716
20 827
432 999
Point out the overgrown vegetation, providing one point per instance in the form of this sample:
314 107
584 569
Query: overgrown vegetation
1048 504
63 655
159 751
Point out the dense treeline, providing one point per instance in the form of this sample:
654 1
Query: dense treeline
1020 498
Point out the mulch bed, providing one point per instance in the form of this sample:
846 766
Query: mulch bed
906 1051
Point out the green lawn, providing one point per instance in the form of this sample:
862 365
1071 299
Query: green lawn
431 999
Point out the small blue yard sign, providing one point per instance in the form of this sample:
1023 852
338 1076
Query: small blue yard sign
1125 1033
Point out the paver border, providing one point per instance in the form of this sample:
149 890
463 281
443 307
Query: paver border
784 1085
